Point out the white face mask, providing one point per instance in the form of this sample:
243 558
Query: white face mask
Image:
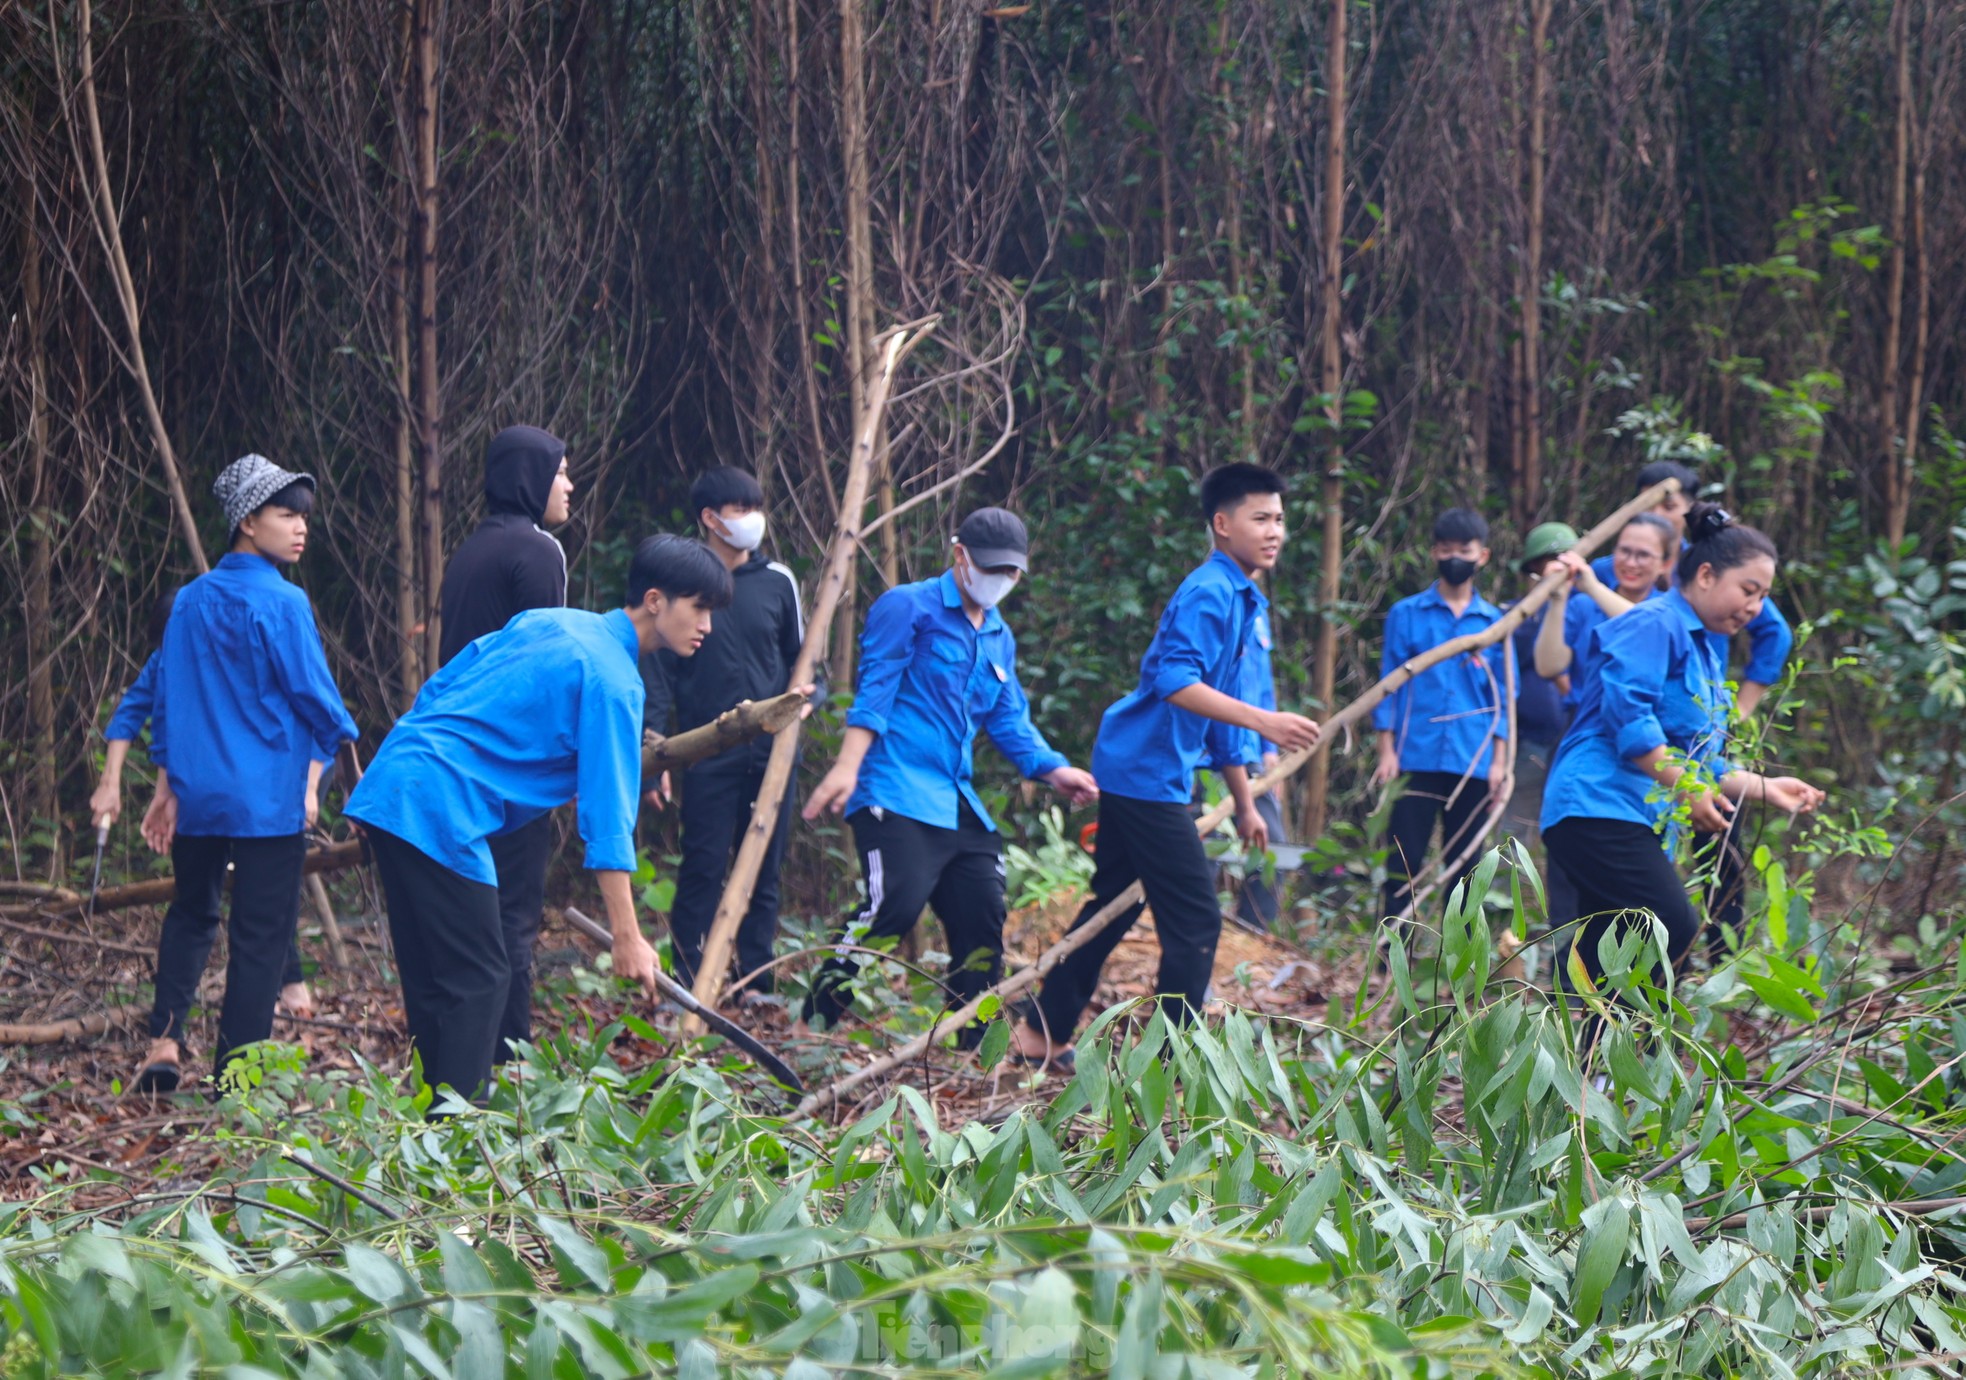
986 589
745 532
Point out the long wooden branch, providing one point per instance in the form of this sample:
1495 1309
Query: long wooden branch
109 228
1351 714
164 889
732 728
832 583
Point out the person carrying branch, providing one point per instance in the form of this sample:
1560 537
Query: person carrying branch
1188 712
1564 647
546 711
1648 745
749 655
937 663
1540 714
244 715
1445 730
511 563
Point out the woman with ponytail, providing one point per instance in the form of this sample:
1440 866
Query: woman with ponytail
1647 744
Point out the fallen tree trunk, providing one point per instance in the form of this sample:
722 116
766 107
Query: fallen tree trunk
1351 714
733 728
74 1028
161 891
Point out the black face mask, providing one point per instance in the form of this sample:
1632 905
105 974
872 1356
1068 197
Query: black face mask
1456 570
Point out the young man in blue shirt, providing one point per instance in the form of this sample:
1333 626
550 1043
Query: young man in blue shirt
244 715
938 662
1189 711
546 711
1445 730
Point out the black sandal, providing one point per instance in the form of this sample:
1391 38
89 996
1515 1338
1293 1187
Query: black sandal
162 1076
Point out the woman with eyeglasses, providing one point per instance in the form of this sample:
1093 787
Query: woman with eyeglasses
1563 647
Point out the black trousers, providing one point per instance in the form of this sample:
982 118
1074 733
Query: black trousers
908 865
1154 843
521 858
1616 867
717 800
1429 796
261 951
450 957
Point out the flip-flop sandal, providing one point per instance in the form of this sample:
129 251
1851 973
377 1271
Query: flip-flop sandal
159 1077
1063 1061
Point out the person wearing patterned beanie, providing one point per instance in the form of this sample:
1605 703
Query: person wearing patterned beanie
244 717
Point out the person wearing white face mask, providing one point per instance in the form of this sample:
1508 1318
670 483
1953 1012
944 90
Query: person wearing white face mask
937 662
748 655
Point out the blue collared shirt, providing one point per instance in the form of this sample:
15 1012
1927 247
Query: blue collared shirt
133 710
1770 639
242 702
519 722
1259 672
1445 718
1581 618
1149 749
1660 679
928 680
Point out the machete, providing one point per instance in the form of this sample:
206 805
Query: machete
95 876
686 999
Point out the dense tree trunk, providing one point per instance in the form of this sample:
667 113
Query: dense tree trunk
429 393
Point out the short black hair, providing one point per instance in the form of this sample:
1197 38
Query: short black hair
160 616
682 568
1461 524
719 488
1658 470
1717 538
297 497
1226 486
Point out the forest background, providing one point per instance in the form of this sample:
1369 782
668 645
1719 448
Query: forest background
1414 254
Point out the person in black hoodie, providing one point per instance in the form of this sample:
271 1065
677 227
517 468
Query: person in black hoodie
507 565
748 655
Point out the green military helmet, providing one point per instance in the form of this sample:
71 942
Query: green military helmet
1547 540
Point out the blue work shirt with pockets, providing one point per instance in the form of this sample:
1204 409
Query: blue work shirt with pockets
929 678
1149 749
242 702
1581 618
133 710
1447 717
522 720
1660 679
1770 639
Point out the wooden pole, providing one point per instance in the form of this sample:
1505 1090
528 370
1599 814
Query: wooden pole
429 408
735 726
1324 683
1351 714
1530 496
109 227
164 889
832 585
1894 292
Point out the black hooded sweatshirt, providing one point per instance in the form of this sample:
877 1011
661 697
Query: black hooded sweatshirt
509 564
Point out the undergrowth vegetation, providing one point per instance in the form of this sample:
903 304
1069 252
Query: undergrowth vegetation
1756 1174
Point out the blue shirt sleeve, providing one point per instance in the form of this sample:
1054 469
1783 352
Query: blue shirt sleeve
300 668
1385 714
1199 622
133 710
1009 725
608 772
887 645
1635 657
1769 642
1577 620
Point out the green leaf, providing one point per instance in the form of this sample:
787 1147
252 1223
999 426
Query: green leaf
996 1041
685 1313
1779 995
1598 1259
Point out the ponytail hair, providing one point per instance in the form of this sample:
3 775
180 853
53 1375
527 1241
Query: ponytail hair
1717 538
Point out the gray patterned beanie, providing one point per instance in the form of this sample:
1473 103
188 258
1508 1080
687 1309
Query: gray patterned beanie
246 484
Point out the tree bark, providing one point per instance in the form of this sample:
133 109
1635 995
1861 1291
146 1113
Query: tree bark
833 584
1888 451
1325 679
109 227
39 585
1530 492
408 598
859 273
429 400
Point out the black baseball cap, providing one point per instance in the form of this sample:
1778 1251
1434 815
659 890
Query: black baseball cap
995 537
